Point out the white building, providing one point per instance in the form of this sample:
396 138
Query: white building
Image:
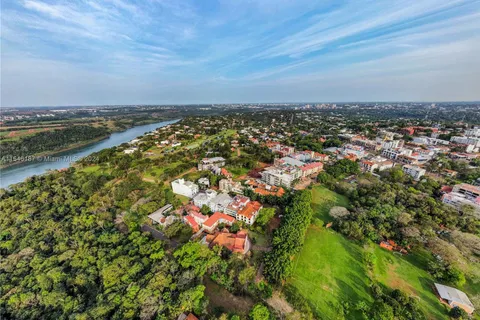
379 163
281 176
220 202
466 140
184 188
204 198
394 153
414 171
475 132
209 163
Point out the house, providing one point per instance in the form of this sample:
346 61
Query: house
471 191
228 185
204 183
378 163
249 212
265 189
190 221
130 150
204 198
210 163
184 188
454 298
220 202
236 243
212 223
238 202
190 316
158 217
414 171
311 168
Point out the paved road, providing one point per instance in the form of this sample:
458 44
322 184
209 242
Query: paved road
159 235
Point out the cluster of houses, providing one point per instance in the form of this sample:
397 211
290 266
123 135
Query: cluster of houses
226 211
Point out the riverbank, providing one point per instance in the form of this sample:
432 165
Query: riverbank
72 147
78 145
20 171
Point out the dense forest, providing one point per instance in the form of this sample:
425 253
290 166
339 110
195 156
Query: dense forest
63 257
47 141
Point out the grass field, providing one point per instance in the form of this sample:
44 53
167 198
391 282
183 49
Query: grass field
330 269
324 200
408 274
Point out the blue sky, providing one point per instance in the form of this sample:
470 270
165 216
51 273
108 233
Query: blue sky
171 51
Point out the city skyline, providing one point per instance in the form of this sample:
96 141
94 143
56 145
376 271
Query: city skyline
171 52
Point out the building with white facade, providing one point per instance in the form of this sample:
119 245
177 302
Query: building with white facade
377 163
210 163
414 171
466 140
281 175
220 202
204 198
475 132
184 188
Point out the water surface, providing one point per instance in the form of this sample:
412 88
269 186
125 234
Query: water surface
21 171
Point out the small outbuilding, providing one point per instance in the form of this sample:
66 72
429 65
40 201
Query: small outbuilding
454 298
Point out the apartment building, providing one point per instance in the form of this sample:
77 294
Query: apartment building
184 188
211 163
414 171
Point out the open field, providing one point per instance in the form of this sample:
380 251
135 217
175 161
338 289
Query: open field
330 269
408 274
324 200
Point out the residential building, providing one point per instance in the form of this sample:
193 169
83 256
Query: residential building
390 144
281 175
212 223
204 198
265 189
159 216
203 183
394 153
311 168
470 191
459 200
475 132
184 188
350 149
220 202
249 212
228 185
377 163
466 140
414 171
454 298
236 243
237 203
209 163
190 221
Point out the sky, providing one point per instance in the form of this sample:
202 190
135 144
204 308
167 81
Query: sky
91 52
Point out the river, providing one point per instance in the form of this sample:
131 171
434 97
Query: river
19 172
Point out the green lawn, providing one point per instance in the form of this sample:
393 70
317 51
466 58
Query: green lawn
330 269
237 171
408 273
324 200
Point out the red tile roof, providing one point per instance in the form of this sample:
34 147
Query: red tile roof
233 242
218 216
250 209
